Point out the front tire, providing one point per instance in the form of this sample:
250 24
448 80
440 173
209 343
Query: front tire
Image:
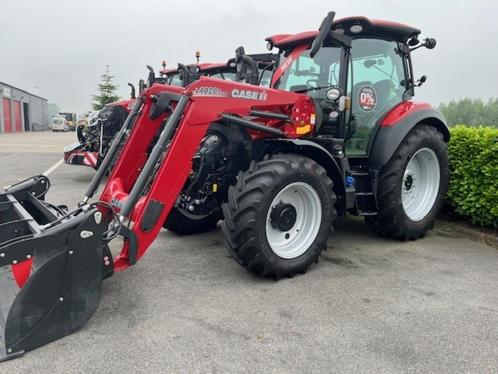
412 186
184 223
279 215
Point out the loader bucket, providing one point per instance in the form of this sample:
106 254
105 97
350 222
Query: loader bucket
50 268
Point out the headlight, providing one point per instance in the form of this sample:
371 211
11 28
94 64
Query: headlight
356 29
333 94
105 114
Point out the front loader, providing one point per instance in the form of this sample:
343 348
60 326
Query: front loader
337 133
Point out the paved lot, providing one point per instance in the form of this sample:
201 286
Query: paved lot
371 305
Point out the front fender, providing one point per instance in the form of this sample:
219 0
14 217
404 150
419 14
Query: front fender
317 153
396 126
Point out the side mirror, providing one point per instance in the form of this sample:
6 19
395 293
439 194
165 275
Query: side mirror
141 86
239 52
132 93
152 76
246 68
421 81
430 43
324 30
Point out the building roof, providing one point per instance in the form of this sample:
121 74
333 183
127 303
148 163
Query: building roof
20 89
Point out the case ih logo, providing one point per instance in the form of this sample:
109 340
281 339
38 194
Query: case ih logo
209 91
367 98
249 95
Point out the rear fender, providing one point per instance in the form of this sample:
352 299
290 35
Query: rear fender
317 153
396 126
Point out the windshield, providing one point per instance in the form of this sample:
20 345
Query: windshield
57 121
174 80
265 77
227 75
312 75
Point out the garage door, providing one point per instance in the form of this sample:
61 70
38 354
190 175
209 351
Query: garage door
7 115
17 116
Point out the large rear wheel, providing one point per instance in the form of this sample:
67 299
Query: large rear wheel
279 215
412 186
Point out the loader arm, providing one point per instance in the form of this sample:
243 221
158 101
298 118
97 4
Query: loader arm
145 183
52 260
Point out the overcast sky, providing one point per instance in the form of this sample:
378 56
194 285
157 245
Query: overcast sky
58 48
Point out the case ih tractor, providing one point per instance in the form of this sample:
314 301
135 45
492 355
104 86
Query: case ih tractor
95 139
338 133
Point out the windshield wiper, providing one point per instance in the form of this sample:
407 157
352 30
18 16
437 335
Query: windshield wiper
315 88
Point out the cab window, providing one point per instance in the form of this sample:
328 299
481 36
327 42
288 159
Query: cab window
174 80
228 76
313 75
376 84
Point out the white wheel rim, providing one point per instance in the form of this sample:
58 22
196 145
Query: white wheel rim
420 185
296 241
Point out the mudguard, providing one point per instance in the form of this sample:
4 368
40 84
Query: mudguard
77 154
396 126
321 155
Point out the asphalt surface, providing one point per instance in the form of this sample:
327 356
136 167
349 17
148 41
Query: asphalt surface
371 305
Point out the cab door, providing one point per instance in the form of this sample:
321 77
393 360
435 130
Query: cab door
377 83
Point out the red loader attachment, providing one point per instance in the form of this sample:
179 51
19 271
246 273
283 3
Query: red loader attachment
53 261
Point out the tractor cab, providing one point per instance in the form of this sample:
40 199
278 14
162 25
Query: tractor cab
254 69
355 69
184 75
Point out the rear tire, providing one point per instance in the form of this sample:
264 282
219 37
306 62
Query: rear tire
183 223
412 186
279 215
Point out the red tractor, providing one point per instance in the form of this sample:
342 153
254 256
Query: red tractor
338 133
95 139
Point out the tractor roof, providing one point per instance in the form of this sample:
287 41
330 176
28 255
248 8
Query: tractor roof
371 28
201 67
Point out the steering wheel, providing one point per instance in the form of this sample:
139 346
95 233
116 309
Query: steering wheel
314 81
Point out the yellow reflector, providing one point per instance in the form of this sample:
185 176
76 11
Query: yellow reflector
215 187
303 130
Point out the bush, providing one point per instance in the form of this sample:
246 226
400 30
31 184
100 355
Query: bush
473 189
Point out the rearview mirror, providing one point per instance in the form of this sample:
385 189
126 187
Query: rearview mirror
152 76
325 31
430 43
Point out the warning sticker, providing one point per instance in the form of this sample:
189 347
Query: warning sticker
367 98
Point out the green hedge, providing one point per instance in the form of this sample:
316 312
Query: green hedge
473 189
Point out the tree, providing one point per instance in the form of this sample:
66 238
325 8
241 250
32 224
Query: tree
471 112
107 91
